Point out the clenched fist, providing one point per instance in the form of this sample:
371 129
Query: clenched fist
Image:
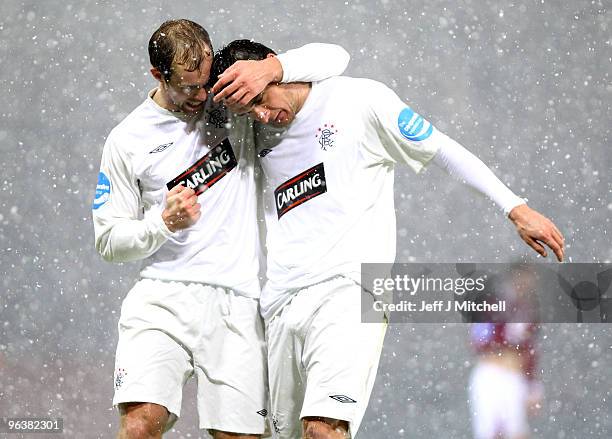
182 208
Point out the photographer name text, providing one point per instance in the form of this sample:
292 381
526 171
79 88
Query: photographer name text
440 306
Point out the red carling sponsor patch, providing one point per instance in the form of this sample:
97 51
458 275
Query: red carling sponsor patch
208 170
299 189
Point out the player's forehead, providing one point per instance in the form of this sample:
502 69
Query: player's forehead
262 98
268 94
182 76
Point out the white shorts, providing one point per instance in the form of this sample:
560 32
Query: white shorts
169 331
322 360
498 399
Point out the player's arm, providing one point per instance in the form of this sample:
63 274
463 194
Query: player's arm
534 228
120 234
244 80
411 139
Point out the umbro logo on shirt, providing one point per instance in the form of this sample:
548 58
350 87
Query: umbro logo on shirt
217 117
299 189
208 170
161 148
343 398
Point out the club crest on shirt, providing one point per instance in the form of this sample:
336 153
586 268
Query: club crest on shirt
120 374
217 117
208 170
299 189
326 136
275 424
413 126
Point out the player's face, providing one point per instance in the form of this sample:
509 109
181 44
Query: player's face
273 107
186 91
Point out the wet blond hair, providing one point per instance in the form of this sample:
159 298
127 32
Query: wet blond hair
179 42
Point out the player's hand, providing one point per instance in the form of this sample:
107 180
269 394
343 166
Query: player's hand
536 230
244 80
182 208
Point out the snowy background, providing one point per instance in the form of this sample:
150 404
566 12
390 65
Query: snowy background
526 85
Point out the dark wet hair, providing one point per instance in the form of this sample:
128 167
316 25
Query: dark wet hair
237 50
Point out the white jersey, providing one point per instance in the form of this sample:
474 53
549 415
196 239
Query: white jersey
152 150
149 152
328 192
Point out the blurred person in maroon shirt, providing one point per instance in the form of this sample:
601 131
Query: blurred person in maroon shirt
505 389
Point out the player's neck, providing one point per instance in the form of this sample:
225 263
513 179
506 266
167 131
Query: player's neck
160 97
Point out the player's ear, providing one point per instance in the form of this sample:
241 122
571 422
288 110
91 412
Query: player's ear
157 74
270 55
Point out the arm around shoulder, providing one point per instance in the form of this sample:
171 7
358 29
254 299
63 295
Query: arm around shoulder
313 62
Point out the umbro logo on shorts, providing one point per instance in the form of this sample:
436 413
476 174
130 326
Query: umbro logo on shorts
299 189
208 170
161 148
343 398
263 413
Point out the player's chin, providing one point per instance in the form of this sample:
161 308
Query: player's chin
277 124
192 108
